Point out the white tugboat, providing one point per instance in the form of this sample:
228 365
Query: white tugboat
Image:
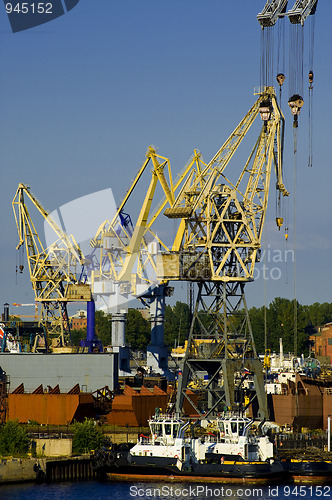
234 452
236 439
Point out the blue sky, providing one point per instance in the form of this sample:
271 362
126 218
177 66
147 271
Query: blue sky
82 97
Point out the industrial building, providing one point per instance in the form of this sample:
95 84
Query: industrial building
90 371
322 342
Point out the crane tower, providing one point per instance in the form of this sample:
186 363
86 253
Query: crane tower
54 271
217 246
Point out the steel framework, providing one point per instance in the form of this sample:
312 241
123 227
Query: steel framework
55 272
217 247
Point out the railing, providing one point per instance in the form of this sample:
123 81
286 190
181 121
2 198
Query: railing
300 440
144 440
49 435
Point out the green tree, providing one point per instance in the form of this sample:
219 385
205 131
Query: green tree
77 336
177 324
318 314
102 327
281 324
280 319
86 437
103 324
14 440
138 332
257 321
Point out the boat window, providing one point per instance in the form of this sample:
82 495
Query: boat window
234 427
221 427
241 427
168 428
175 430
158 429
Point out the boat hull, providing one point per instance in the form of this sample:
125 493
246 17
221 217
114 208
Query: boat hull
309 471
166 469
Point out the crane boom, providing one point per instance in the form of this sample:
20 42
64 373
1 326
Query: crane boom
223 221
120 249
54 270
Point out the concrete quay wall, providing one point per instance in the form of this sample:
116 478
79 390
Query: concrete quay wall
16 470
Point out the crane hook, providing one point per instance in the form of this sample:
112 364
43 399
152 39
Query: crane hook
280 78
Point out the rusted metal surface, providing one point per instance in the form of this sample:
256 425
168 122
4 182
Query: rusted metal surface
327 405
49 407
134 408
298 411
300 405
4 384
103 400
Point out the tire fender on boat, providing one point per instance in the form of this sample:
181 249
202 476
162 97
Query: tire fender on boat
176 456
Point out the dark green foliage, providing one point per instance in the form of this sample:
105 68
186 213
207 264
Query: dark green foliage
258 327
14 440
138 332
86 437
177 324
76 336
279 323
318 314
103 330
280 319
103 324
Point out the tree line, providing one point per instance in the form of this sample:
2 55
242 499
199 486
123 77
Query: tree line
274 321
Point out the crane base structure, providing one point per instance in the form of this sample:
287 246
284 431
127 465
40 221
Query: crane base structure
220 344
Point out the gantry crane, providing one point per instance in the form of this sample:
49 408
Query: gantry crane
217 246
55 272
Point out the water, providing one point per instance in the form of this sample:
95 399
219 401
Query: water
94 490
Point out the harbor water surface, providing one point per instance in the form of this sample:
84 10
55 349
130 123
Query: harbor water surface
94 490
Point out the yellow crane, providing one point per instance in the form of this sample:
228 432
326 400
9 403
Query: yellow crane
126 256
222 221
54 271
217 246
122 246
